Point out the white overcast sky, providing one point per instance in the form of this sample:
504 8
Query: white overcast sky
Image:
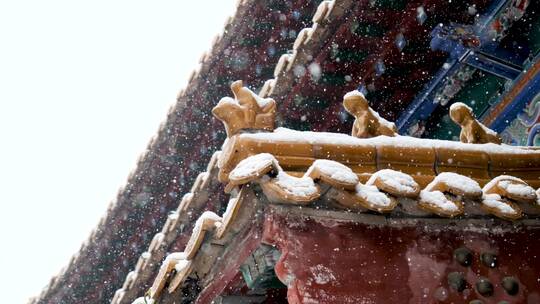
84 85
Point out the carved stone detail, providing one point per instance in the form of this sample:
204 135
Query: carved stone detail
472 131
368 123
246 111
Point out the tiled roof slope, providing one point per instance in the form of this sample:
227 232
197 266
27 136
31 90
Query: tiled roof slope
183 145
248 50
331 22
204 195
134 284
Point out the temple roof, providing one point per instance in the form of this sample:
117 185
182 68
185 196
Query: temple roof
347 40
377 181
248 48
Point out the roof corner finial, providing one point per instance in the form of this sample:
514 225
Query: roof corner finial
246 111
368 123
472 131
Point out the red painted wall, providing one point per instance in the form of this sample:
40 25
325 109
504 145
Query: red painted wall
328 262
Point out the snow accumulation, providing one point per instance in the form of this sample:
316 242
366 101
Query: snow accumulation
521 190
181 265
262 102
298 186
437 199
512 185
292 136
334 170
143 300
186 200
207 220
494 201
372 195
228 100
251 165
187 197
499 178
175 256
487 130
458 104
395 179
353 94
173 216
381 120
156 241
207 215
457 181
131 276
386 123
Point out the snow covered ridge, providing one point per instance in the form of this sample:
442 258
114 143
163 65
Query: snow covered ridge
374 199
292 136
180 262
413 156
258 163
495 201
444 196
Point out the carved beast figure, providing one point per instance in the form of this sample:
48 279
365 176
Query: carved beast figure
246 111
472 131
368 123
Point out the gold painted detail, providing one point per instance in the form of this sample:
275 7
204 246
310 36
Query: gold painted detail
472 131
367 123
246 111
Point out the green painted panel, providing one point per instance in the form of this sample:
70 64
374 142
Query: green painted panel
446 129
534 36
478 93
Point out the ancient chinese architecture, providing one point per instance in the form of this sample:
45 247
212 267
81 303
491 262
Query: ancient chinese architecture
354 218
384 154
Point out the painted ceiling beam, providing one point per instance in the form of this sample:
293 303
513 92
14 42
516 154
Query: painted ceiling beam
524 88
423 105
492 65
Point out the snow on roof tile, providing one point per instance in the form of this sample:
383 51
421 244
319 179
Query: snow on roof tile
441 197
